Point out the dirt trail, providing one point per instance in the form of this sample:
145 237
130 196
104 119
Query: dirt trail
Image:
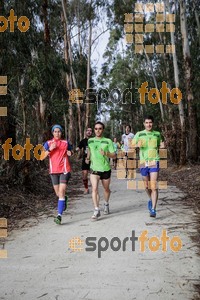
40 264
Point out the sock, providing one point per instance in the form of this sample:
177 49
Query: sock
96 208
61 206
106 203
85 182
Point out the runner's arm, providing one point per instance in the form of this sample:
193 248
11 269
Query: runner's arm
87 160
122 140
80 150
69 153
111 154
47 150
136 142
162 145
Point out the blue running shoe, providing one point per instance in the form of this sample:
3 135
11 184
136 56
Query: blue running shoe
153 213
150 205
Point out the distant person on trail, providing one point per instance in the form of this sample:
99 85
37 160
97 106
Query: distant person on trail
149 142
100 149
58 151
127 138
83 145
126 144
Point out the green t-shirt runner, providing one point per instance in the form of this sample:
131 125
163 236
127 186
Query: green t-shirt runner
150 143
100 162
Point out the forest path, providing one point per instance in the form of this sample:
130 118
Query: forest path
41 264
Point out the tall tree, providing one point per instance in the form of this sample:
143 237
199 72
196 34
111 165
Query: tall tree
192 115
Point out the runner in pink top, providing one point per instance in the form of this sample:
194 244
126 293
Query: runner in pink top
58 159
59 167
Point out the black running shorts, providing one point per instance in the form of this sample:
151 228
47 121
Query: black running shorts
103 175
60 178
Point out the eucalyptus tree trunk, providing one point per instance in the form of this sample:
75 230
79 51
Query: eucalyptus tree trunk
196 5
46 24
156 86
87 119
192 116
42 104
23 106
68 81
180 105
41 112
68 54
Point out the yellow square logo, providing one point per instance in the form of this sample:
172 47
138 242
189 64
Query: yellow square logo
149 49
138 7
131 185
139 27
139 49
160 49
128 28
129 38
149 7
129 17
139 18
149 28
139 38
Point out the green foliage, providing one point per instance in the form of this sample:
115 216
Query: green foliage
123 69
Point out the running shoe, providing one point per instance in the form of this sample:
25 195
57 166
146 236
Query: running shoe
153 213
58 220
96 214
106 209
86 192
150 205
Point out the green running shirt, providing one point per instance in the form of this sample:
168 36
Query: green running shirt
100 162
150 144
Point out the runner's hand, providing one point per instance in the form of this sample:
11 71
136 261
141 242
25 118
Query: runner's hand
139 144
103 152
69 153
162 145
53 146
87 160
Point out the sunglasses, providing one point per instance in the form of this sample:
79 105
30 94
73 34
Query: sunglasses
98 128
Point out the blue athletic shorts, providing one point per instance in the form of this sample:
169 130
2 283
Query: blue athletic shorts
147 170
